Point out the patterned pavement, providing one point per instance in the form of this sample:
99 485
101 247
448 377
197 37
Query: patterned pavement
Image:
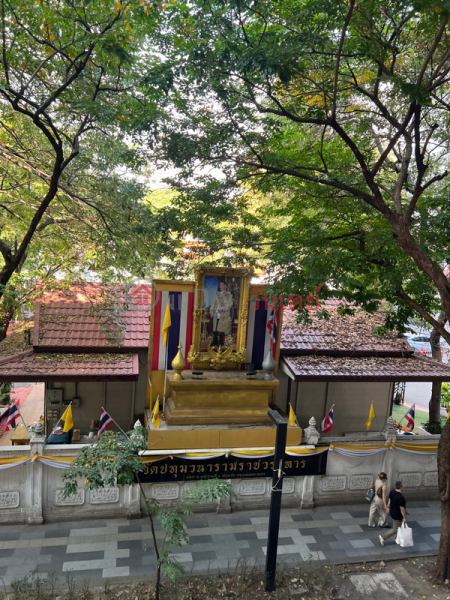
119 549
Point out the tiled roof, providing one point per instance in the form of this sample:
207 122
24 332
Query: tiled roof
365 368
53 366
91 317
341 335
18 341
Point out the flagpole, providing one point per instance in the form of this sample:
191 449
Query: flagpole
22 418
406 413
118 425
165 371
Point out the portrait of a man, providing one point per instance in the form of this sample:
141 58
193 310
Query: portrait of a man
220 310
220 313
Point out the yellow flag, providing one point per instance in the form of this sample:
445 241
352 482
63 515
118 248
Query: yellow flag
155 414
371 416
67 418
166 324
292 417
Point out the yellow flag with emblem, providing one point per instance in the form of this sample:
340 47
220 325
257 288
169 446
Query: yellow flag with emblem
155 414
67 418
371 416
292 418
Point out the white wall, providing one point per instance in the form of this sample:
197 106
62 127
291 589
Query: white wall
30 493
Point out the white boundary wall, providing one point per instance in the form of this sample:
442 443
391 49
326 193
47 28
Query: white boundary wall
30 493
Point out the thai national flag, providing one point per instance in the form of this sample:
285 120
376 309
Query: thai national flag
262 332
181 306
105 422
272 326
327 423
13 414
410 416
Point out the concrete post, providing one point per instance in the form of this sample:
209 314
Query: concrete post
36 489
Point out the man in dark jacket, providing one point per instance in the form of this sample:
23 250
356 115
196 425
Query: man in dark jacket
396 507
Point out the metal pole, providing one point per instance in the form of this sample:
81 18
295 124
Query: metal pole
275 500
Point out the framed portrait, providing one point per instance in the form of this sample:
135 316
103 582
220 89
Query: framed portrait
220 317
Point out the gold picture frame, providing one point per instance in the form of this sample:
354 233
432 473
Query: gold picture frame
206 349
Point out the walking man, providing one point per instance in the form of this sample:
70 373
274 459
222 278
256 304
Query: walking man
396 507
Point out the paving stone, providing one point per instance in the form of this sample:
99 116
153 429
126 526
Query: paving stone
246 535
302 517
57 533
58 550
200 539
132 527
361 543
240 521
340 515
197 556
10 535
350 528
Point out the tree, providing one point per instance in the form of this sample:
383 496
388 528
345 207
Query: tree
76 82
343 103
348 99
115 459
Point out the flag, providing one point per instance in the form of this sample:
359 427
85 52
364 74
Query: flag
105 422
327 423
272 326
181 306
262 332
67 418
371 416
410 417
13 414
166 324
292 417
155 414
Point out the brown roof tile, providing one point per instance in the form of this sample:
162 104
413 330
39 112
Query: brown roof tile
365 368
92 317
52 366
341 335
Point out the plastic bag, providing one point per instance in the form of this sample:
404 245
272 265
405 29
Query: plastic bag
404 536
370 494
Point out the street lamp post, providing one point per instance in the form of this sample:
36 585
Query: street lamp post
275 500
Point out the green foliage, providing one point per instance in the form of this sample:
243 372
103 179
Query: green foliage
433 428
70 103
445 394
347 144
5 392
112 459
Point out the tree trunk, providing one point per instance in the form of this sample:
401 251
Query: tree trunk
434 406
6 317
443 558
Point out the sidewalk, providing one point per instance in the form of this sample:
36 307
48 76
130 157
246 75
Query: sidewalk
31 404
118 549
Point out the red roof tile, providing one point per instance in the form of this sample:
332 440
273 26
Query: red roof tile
32 366
351 334
365 368
92 317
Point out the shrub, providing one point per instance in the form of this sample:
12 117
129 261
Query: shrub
434 428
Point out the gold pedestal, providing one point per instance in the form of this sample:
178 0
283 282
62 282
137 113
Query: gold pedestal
219 397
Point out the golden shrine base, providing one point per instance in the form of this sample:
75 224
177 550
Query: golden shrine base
218 398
